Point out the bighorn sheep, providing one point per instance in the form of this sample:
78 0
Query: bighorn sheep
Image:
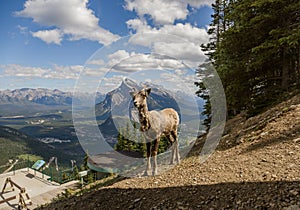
154 124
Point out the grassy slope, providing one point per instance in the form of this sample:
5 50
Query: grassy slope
14 143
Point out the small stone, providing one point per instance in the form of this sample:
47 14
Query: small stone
294 192
292 207
131 207
296 140
263 133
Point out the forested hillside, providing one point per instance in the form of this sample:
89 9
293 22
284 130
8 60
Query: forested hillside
14 143
256 51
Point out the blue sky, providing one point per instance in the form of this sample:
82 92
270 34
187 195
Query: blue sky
45 43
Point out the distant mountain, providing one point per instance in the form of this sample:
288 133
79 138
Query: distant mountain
42 96
119 102
119 99
38 96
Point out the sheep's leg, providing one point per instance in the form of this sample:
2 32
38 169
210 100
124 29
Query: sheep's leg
176 146
148 170
171 140
173 155
154 155
177 151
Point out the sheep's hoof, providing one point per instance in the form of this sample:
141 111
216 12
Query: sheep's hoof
154 173
147 173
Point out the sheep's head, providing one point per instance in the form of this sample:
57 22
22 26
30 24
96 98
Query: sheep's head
139 97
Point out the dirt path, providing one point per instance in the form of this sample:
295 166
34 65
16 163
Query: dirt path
10 167
257 166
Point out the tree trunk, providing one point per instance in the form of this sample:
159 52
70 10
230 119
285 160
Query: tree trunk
285 71
298 69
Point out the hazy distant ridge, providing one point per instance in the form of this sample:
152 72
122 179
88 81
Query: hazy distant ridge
41 96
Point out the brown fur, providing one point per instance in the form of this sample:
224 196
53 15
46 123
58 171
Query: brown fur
154 124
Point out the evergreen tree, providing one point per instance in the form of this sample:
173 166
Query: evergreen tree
75 172
142 145
119 146
204 94
164 144
255 49
129 137
85 162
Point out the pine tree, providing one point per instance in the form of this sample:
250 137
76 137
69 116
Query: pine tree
142 145
119 145
204 94
256 51
85 162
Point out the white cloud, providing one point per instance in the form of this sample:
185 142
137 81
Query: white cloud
189 53
198 3
182 31
187 31
178 82
96 62
138 25
111 83
116 57
181 41
164 11
49 36
71 17
64 72
23 71
161 11
23 29
56 72
140 62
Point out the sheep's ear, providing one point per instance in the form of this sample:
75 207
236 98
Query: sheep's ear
148 90
132 93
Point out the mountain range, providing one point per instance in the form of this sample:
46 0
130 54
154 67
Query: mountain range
42 96
29 101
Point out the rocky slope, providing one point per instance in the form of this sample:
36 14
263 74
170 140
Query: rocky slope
256 166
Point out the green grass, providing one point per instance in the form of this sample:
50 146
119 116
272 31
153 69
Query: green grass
30 157
9 149
14 144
